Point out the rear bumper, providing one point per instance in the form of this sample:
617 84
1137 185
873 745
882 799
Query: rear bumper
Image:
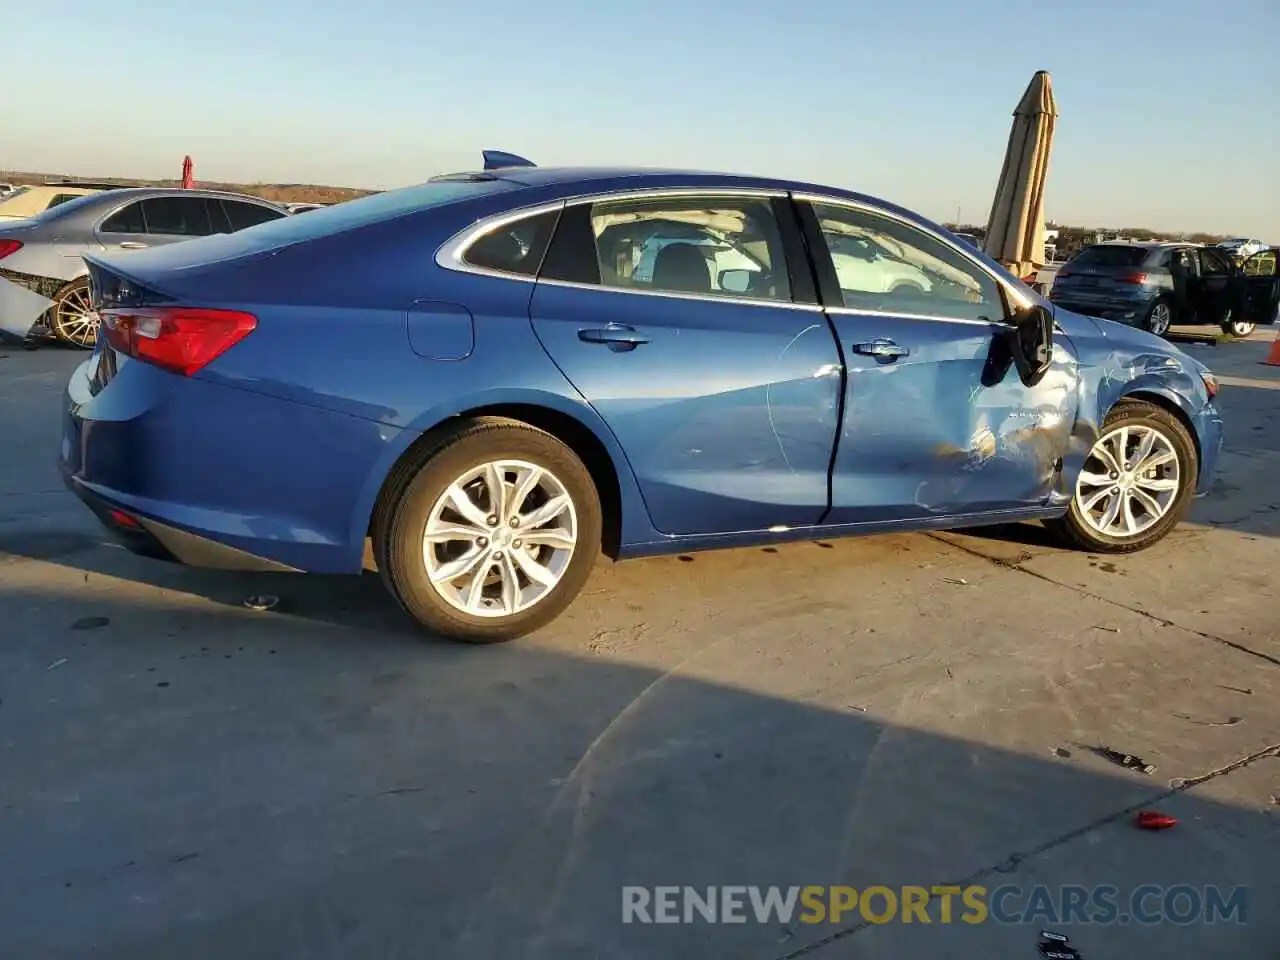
151 538
215 476
1129 312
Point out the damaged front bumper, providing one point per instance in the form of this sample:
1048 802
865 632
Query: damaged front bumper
24 300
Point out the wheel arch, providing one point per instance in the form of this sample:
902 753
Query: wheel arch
1169 402
599 453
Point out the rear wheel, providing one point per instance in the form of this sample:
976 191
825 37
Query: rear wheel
495 534
72 317
1159 317
1136 483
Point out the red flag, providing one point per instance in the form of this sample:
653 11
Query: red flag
188 172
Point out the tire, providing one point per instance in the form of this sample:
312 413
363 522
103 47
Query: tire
1159 318
508 602
1083 528
71 318
1237 328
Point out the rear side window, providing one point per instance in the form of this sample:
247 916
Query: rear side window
177 216
515 248
244 215
128 219
1110 257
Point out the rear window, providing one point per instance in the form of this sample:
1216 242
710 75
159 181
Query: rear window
1110 257
371 209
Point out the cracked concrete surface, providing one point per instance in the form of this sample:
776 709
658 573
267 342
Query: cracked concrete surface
195 779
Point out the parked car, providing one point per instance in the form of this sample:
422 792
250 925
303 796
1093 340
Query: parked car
1240 249
462 385
27 202
6 189
1155 285
44 281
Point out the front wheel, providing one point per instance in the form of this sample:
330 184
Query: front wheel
1237 328
72 317
1159 317
1136 483
495 534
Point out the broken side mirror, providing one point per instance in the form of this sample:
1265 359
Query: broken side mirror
1031 343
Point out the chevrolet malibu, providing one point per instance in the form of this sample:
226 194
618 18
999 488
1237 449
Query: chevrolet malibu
468 386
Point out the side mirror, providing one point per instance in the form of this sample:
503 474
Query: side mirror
1031 343
735 281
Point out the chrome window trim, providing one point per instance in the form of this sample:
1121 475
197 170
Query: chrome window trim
1016 296
857 312
677 295
451 256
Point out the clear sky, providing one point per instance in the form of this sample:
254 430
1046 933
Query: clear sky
1169 109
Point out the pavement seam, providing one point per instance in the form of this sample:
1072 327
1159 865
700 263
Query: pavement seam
1017 565
1013 860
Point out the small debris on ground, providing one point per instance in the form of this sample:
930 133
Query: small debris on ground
1126 760
1229 722
1098 626
859 709
1056 946
263 601
57 663
1062 752
1247 691
90 623
1154 820
958 581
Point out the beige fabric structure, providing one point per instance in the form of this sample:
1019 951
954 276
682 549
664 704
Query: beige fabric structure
1015 231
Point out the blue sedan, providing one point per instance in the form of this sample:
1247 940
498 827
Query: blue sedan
477 385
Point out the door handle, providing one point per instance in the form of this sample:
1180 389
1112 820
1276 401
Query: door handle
132 245
881 348
617 336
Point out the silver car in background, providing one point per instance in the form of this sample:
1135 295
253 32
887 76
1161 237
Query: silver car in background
43 280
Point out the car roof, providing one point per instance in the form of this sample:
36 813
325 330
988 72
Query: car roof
640 177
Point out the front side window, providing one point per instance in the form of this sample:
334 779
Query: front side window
887 266
709 246
1213 263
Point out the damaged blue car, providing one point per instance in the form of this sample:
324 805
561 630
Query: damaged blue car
478 384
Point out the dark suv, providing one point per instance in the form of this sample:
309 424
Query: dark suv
1154 285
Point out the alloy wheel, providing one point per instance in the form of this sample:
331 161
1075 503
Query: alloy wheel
1161 317
76 318
499 538
1130 481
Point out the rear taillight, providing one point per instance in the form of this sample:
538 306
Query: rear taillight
180 339
1132 278
9 246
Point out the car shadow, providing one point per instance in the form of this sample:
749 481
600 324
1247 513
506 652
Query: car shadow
211 784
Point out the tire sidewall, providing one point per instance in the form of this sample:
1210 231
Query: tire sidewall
1147 415
407 571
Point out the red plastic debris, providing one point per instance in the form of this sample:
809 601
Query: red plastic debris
1155 820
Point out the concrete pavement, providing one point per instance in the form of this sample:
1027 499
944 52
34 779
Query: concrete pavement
191 778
